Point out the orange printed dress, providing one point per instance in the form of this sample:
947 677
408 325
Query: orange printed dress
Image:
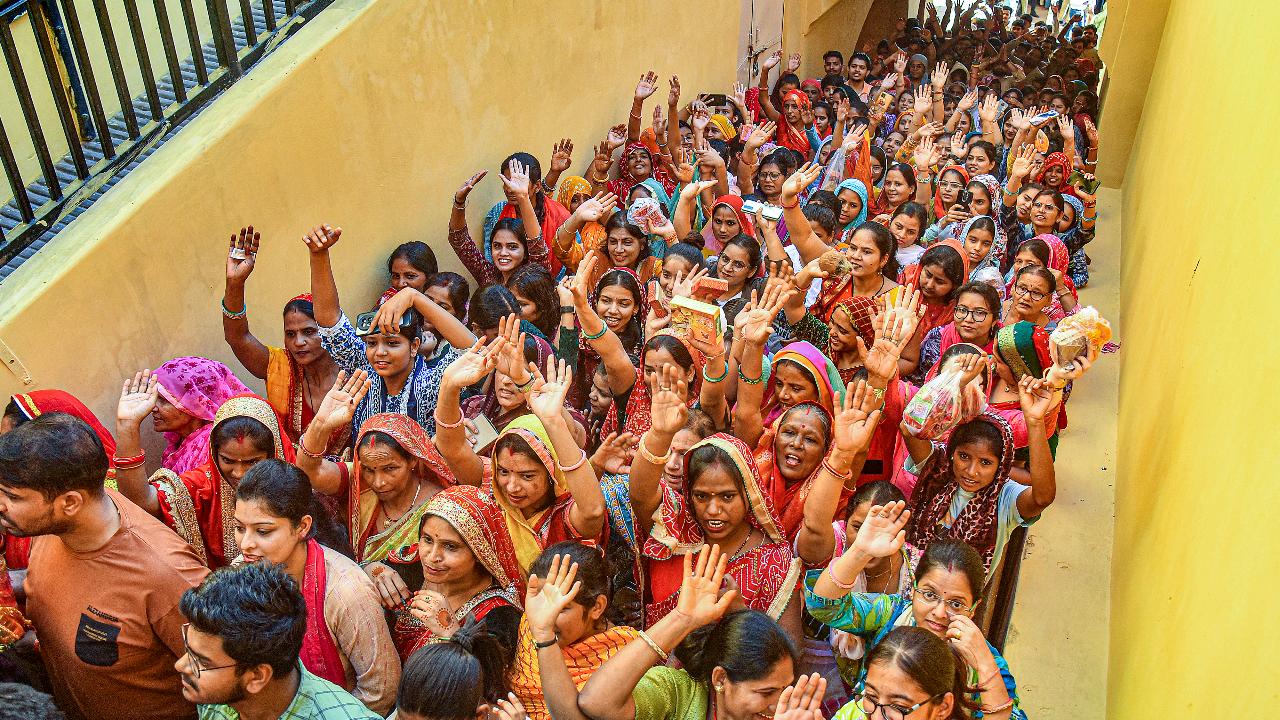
582 658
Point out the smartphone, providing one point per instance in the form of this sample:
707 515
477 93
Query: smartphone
717 102
963 200
770 212
364 322
486 433
1078 179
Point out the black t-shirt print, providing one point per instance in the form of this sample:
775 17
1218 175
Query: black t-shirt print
97 638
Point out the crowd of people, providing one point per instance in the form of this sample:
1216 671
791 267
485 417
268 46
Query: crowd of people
654 459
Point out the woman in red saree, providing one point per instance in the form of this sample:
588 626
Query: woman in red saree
469 572
278 520
942 269
722 502
198 504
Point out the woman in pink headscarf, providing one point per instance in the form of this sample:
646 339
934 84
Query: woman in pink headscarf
191 391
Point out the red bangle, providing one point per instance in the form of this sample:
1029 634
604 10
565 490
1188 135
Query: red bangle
791 207
127 463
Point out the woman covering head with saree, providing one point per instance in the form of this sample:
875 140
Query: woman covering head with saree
536 473
798 373
965 491
466 568
199 503
723 502
635 166
854 202
191 389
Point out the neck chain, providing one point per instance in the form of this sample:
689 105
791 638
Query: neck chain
412 502
871 577
743 544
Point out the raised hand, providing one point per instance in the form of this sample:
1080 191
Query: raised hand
923 102
1018 119
595 208
938 79
659 123
1023 161
339 404
460 197
561 155
617 137
510 358
321 238
546 398
900 62
1091 132
701 116
614 454
137 398
793 62
968 101
1065 128
802 701
683 285
884 531
924 154
989 109
894 329
647 86
772 61
801 179
669 405
957 144
856 421
546 598
246 245
759 135
673 94
518 184
700 599
472 366
759 323
890 81
1035 397
581 283
692 190
740 94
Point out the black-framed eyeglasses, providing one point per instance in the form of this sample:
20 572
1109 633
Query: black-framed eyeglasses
1035 295
195 664
888 711
978 315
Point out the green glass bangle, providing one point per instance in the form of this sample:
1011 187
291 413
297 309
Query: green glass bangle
712 381
748 380
598 335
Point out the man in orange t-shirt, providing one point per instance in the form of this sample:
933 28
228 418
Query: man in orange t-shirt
104 580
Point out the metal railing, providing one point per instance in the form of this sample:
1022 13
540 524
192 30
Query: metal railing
77 45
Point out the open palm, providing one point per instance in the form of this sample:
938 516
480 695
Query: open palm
883 532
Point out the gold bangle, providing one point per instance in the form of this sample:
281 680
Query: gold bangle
654 646
644 453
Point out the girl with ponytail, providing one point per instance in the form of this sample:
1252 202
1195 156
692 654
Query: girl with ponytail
462 678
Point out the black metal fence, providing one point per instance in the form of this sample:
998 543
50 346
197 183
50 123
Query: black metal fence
99 143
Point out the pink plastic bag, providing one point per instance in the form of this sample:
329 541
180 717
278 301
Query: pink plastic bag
942 404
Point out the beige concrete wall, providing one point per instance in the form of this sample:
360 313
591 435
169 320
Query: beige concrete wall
812 27
369 119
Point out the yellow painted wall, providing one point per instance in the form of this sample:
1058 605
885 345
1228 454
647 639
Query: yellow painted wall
1129 46
42 98
812 27
368 119
1194 583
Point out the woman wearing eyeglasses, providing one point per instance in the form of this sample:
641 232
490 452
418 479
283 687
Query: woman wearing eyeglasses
912 673
1031 293
948 584
975 322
